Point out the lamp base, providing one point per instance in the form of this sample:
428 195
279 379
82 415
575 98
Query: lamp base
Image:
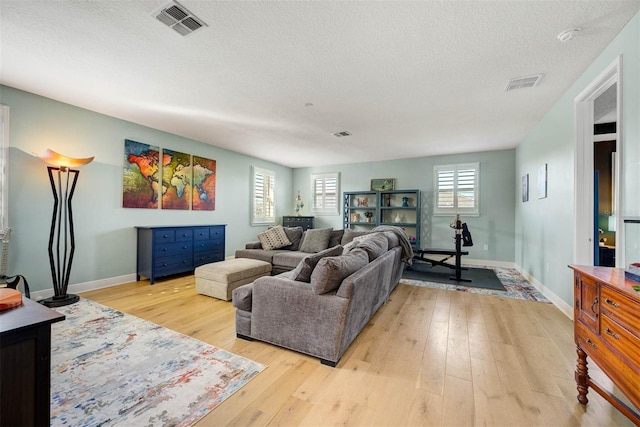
59 301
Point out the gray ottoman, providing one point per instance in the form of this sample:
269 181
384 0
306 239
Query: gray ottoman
219 279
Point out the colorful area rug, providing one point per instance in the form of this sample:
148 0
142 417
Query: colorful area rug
111 368
516 286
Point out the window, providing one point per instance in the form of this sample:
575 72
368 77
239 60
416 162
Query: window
325 190
457 189
263 207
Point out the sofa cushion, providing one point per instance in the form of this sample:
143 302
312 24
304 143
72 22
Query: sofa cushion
352 244
331 271
375 245
350 234
295 236
302 272
274 238
289 259
316 240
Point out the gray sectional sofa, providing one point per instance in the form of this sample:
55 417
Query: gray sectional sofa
320 306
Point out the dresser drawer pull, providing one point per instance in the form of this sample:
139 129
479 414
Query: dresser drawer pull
577 303
611 303
591 343
613 334
593 306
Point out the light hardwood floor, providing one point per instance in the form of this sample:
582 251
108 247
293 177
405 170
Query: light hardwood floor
429 357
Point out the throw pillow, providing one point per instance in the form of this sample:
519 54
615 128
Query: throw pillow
295 236
331 271
273 238
350 234
354 243
302 273
316 240
374 246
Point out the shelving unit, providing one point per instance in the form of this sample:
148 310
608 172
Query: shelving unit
387 208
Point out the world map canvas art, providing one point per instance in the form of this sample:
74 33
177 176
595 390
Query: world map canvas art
178 180
141 176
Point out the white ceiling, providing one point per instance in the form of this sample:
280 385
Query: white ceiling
406 78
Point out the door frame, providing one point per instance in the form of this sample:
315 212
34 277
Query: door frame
583 165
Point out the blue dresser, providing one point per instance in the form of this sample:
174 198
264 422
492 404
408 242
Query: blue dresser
167 250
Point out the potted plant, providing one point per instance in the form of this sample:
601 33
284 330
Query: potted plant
368 215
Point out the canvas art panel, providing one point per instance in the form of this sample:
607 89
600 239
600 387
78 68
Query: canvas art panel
141 175
204 184
383 184
176 180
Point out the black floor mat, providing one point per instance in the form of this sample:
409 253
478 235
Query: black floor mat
480 277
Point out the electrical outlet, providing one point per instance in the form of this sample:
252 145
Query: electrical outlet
486 247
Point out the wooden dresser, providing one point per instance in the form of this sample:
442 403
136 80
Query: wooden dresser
607 329
167 250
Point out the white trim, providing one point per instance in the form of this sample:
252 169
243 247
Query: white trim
583 164
324 177
548 293
87 286
4 166
256 220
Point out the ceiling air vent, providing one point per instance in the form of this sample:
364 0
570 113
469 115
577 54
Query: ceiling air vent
523 82
341 134
179 18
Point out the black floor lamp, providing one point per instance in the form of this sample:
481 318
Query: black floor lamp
62 243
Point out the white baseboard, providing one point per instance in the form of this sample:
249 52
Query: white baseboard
489 263
87 286
561 304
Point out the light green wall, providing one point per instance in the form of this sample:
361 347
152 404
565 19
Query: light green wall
105 234
495 225
545 227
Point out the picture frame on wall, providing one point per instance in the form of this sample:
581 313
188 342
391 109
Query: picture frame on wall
383 184
542 181
525 187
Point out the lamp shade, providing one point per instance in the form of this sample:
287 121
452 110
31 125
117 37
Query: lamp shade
58 160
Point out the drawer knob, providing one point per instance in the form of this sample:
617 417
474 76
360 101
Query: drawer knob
164 249
613 334
591 343
611 303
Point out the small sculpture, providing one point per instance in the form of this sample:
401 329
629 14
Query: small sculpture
299 204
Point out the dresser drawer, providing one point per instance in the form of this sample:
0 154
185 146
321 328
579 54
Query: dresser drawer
164 236
166 266
620 308
184 234
623 342
172 249
202 258
201 233
208 245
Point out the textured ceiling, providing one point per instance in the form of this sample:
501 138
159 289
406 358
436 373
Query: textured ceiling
275 79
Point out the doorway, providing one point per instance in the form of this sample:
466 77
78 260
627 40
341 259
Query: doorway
596 178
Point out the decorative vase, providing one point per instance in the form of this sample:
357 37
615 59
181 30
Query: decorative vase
368 219
397 219
405 202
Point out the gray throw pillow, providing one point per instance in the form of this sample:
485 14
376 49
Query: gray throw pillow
316 240
349 235
295 236
331 271
302 273
375 245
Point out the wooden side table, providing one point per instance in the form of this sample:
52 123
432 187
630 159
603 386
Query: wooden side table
25 371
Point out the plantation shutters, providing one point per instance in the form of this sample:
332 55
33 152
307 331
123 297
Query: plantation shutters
457 189
325 190
263 207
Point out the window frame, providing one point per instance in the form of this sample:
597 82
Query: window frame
324 195
268 175
455 209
